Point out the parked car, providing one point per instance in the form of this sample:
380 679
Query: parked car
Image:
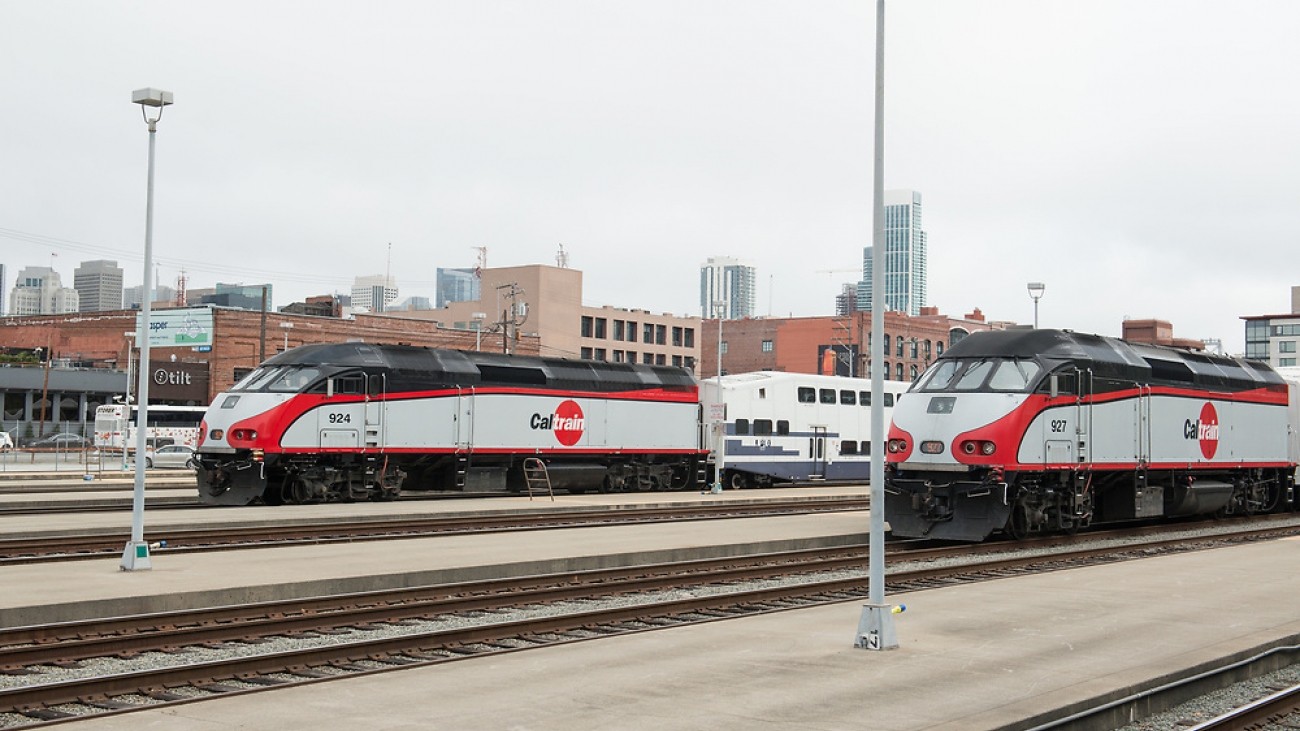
64 440
6 442
174 456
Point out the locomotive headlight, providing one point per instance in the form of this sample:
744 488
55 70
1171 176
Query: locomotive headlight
987 448
897 445
968 447
244 435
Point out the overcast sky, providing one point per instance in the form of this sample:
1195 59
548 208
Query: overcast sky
1140 157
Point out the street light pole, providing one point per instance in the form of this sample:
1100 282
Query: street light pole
286 326
1036 290
135 557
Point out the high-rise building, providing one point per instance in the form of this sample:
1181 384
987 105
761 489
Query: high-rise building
456 285
40 291
243 296
729 282
2 287
905 256
373 293
846 302
99 285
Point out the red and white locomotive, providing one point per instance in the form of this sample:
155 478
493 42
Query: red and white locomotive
355 421
1026 431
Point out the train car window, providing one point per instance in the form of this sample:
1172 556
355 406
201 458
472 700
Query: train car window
942 376
782 428
742 426
889 400
292 380
848 446
866 446
375 384
974 376
807 395
762 393
350 384
1014 375
864 398
827 395
848 398
762 427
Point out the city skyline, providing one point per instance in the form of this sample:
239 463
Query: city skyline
1110 150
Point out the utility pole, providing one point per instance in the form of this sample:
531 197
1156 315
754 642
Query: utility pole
514 316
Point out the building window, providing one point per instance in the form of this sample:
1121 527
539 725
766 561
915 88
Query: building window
677 361
767 346
659 359
600 328
1286 346
661 335
689 363
913 350
600 354
899 371
690 337
1286 361
586 326
631 331
618 330
724 347
648 333
618 356
677 336
648 358
586 354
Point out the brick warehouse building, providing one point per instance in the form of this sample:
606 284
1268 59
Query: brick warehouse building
835 345
89 356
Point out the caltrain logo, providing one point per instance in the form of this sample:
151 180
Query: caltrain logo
1204 430
567 422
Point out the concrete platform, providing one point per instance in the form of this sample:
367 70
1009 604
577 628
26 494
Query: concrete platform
91 588
982 656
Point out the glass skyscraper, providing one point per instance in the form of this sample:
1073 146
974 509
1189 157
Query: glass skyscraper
905 256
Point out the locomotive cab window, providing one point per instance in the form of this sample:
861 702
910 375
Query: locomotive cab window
350 384
1014 375
292 380
807 395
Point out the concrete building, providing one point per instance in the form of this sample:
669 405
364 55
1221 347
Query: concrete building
99 285
728 282
1157 332
373 293
906 277
40 291
243 296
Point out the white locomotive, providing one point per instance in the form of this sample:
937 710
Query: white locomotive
1024 431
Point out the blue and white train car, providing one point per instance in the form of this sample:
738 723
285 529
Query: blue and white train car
790 427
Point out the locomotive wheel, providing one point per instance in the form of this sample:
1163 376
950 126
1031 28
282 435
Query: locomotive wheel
736 480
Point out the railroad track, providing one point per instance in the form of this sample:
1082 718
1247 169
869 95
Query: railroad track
377 632
37 549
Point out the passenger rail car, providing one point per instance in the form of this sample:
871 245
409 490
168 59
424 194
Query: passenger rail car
356 421
1026 431
791 427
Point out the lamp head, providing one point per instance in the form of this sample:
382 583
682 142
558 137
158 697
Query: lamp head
151 97
1036 289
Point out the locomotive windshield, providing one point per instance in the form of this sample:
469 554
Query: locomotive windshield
282 379
982 374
